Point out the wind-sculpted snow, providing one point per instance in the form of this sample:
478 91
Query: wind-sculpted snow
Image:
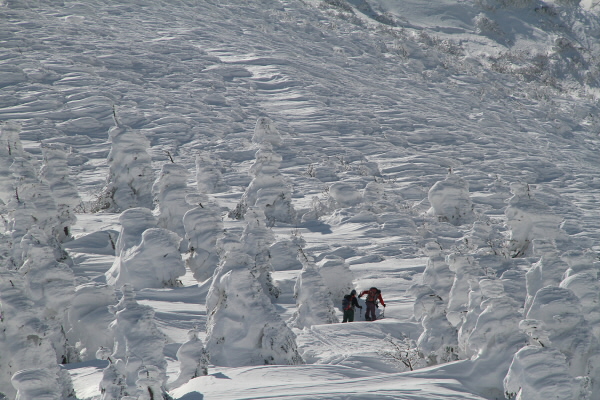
450 147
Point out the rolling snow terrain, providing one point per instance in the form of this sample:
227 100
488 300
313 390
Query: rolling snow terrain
188 188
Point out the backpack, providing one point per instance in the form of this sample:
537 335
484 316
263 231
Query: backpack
373 294
347 302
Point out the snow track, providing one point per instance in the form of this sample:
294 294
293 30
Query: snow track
324 382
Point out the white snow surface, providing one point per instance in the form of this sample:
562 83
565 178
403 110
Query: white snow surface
401 129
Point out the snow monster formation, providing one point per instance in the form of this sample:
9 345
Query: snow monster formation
268 190
243 327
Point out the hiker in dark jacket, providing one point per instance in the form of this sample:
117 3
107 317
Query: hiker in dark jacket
373 295
348 306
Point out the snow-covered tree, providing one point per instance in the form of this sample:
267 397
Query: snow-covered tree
35 288
438 342
374 198
403 353
208 175
130 177
450 200
134 222
486 238
528 219
55 171
326 170
150 384
489 334
547 271
243 327
541 373
284 252
256 239
265 133
35 195
581 261
154 263
496 334
342 194
89 318
560 311
10 148
314 303
466 321
466 269
203 227
337 276
113 385
514 282
31 204
489 326
25 343
268 190
169 191
587 289
138 344
51 286
437 274
193 360
36 384
318 208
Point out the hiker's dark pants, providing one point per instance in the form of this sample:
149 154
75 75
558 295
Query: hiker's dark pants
349 315
370 313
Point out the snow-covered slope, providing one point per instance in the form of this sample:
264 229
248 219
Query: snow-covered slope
375 101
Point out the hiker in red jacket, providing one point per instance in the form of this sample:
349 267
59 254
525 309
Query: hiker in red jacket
373 295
